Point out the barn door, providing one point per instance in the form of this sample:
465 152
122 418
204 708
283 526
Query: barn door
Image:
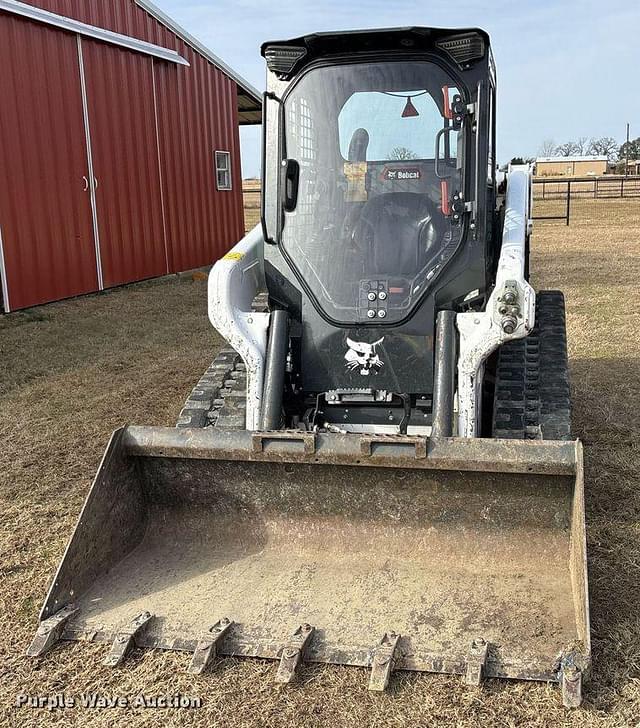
47 247
126 171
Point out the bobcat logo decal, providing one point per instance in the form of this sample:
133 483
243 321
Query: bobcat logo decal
362 355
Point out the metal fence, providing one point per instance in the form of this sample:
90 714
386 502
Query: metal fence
587 187
554 197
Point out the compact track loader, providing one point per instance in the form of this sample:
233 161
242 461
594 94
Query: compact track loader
379 470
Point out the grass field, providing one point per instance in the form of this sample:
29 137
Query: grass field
71 372
251 195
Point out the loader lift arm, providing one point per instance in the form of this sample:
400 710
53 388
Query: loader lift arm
510 310
234 282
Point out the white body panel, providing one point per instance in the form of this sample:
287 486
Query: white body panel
234 282
481 333
345 428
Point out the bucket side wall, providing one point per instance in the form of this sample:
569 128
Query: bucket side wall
578 563
112 522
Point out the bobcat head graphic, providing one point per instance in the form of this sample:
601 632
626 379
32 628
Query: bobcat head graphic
362 355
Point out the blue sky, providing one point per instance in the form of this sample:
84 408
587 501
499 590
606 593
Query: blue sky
566 69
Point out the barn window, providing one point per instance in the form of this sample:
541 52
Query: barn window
223 170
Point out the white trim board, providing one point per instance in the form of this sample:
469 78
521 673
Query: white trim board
3 278
91 31
90 171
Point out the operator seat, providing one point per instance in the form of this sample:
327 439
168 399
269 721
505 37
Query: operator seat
358 146
357 154
398 232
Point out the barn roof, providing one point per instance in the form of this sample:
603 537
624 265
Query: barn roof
249 98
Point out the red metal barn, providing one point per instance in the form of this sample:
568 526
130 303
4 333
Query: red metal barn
119 148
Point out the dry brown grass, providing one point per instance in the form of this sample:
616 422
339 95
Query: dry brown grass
71 372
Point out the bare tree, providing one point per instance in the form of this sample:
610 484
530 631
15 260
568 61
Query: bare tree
547 148
566 149
402 153
605 147
582 145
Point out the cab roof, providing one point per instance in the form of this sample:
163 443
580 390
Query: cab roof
465 46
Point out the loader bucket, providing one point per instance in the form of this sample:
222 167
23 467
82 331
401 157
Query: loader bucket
391 552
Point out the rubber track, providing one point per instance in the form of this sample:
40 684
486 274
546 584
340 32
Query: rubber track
532 394
219 398
224 378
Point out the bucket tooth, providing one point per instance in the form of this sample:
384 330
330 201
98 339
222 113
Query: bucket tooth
206 650
293 652
125 639
383 662
50 631
476 662
570 676
571 681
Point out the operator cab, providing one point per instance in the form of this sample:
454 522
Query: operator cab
378 209
377 161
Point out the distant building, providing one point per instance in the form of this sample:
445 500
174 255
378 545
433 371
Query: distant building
633 166
574 166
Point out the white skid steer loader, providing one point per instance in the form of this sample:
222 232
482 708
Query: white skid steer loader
379 471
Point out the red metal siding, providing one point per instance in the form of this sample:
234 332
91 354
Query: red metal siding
120 101
197 114
45 214
195 118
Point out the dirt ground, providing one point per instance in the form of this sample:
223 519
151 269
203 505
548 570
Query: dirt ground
71 372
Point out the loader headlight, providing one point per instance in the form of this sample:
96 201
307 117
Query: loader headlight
282 59
463 48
